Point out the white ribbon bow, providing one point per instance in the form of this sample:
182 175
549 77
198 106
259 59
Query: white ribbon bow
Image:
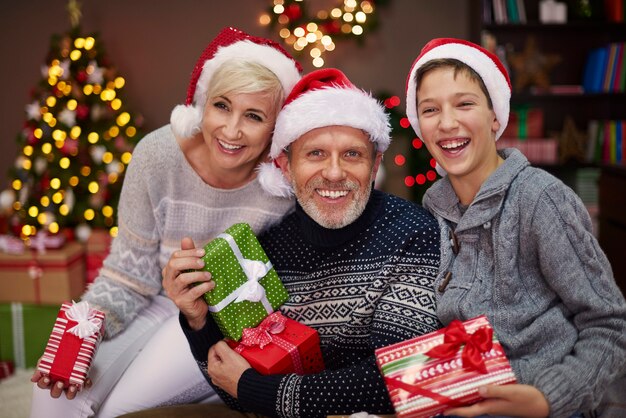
87 323
251 290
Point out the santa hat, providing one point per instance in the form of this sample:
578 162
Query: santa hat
322 98
486 64
228 44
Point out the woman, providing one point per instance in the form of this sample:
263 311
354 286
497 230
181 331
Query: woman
194 178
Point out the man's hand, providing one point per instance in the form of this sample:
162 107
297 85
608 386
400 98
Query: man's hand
512 400
226 367
179 282
44 382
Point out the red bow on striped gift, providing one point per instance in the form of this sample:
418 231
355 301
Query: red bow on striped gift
455 337
262 334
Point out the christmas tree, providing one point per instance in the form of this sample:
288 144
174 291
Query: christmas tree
76 142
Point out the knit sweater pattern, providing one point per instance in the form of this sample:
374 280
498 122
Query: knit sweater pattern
361 287
527 259
163 200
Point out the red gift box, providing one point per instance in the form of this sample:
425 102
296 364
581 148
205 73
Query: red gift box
443 369
280 345
97 249
75 337
6 368
524 122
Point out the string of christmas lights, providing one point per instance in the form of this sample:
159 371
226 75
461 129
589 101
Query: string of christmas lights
350 19
418 158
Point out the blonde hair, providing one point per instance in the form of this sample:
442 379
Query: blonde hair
241 76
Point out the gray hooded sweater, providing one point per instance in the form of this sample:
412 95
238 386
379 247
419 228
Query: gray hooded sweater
527 259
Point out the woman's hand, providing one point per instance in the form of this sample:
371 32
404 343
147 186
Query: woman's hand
225 367
186 286
510 400
56 389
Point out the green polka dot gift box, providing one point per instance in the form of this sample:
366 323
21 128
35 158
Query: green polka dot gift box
247 288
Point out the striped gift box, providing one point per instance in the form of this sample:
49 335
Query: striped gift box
421 385
72 344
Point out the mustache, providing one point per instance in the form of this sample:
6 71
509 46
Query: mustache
333 185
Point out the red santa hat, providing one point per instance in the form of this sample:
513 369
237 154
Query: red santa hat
486 64
228 44
322 98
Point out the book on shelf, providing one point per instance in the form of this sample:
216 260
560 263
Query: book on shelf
605 69
504 11
606 141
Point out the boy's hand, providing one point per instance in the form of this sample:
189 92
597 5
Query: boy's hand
512 400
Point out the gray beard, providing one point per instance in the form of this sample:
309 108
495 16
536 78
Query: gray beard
351 214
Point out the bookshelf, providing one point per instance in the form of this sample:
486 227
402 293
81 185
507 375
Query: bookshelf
572 41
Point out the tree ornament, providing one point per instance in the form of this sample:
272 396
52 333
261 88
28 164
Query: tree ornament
316 34
572 142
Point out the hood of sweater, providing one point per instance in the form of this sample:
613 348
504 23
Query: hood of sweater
442 201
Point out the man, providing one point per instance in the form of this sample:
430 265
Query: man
358 264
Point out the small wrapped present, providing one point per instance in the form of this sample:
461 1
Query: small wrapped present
43 277
279 345
247 288
6 368
443 369
73 342
97 249
524 122
24 332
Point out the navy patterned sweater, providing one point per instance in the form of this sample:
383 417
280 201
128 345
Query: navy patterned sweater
361 287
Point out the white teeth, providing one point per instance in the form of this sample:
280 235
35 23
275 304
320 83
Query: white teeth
229 146
333 194
454 144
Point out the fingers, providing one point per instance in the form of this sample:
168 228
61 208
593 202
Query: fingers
187 244
43 382
36 376
56 390
71 392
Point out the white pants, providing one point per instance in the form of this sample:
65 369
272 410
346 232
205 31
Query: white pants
147 365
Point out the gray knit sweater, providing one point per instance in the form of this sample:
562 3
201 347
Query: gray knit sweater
163 200
528 260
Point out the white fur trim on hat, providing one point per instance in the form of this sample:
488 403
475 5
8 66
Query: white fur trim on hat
273 181
497 85
329 106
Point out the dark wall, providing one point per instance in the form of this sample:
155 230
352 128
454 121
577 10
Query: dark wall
154 46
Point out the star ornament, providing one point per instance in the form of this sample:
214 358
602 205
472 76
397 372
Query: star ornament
572 142
33 111
67 117
95 73
531 67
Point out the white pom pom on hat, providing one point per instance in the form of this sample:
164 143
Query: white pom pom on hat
322 98
228 44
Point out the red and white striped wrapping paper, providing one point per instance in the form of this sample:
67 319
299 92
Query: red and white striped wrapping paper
67 357
422 386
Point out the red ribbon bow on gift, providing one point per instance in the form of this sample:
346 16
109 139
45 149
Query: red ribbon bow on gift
477 343
262 334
